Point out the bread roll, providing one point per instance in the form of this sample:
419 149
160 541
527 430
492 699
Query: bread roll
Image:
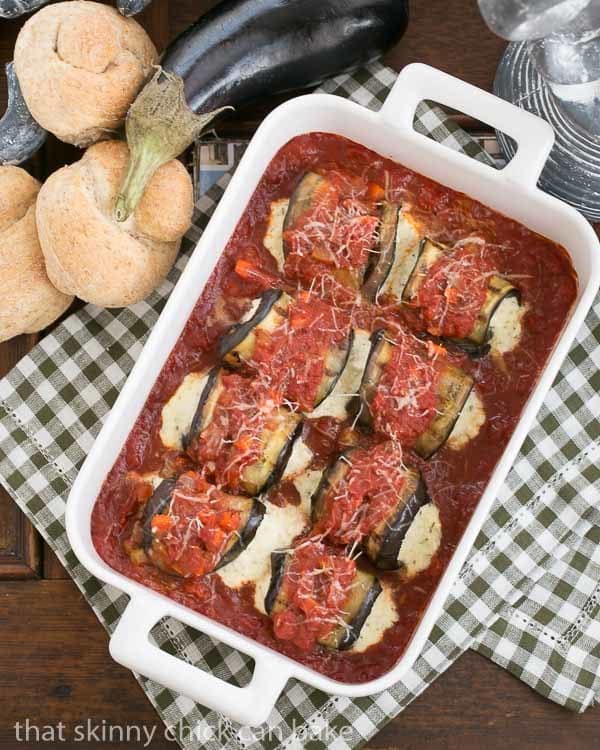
87 252
80 65
28 301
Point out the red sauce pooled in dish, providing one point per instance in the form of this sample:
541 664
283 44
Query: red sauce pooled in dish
365 496
454 290
316 586
405 402
455 479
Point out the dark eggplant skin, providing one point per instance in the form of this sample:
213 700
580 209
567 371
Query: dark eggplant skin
369 381
283 458
383 544
278 565
384 551
246 535
351 635
238 332
346 348
161 498
453 391
379 269
20 135
301 199
196 425
15 8
131 7
244 50
341 639
156 504
334 474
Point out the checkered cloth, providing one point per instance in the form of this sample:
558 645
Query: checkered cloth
527 598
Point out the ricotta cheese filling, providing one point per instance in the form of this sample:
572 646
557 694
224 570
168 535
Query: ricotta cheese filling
178 412
469 422
381 617
348 384
422 541
507 325
278 528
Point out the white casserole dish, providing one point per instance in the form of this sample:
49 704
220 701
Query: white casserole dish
511 191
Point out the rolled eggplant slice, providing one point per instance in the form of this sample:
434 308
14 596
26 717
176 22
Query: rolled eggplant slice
382 526
451 386
239 436
453 391
274 327
338 402
384 543
469 424
347 622
422 541
157 503
429 253
303 198
379 357
399 248
379 269
327 232
178 514
237 345
499 290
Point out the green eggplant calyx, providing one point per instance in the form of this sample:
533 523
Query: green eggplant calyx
159 126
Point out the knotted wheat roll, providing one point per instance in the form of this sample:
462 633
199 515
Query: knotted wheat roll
87 252
80 65
28 301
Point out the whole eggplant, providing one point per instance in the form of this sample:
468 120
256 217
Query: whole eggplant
242 51
15 8
131 7
20 135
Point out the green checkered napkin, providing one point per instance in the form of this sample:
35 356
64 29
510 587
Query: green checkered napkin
528 597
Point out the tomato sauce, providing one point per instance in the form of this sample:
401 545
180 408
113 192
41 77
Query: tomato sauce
316 587
540 269
367 494
406 402
454 290
233 439
335 232
192 533
291 357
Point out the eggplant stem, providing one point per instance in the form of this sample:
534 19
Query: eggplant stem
159 126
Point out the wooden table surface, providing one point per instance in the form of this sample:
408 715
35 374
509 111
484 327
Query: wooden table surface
54 663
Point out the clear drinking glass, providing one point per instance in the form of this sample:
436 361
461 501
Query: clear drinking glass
563 40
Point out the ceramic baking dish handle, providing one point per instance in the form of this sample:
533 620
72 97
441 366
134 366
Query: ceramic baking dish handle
250 705
534 136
